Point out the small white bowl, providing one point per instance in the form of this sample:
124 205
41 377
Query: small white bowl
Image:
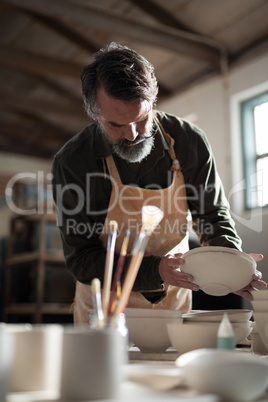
261 319
233 375
257 345
196 335
234 315
147 328
219 270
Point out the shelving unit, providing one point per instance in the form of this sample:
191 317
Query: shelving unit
34 250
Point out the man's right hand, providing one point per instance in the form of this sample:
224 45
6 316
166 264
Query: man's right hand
170 272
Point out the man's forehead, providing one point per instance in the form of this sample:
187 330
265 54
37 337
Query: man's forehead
119 112
139 118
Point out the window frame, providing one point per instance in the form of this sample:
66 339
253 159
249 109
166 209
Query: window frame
250 155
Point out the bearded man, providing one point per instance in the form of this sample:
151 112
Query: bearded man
129 156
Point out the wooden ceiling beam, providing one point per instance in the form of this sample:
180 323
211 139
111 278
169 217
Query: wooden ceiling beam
39 124
37 63
57 88
33 135
39 106
47 82
66 31
22 148
173 39
160 14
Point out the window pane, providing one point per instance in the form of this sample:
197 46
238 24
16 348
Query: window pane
261 128
262 177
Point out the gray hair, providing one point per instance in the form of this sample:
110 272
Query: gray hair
123 74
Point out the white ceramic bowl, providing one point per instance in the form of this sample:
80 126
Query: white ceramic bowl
147 328
260 294
260 305
234 315
219 270
196 335
234 376
261 319
257 345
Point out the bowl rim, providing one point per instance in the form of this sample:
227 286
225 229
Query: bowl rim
194 358
135 312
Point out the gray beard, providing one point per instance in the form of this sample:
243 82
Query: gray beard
133 151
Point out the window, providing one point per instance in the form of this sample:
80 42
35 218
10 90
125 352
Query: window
255 147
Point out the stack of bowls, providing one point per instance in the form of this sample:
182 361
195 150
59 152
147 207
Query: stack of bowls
260 313
199 329
147 328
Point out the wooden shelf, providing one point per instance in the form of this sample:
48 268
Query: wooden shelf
24 309
42 260
33 257
20 309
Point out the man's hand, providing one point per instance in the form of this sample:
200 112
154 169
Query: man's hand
255 284
170 272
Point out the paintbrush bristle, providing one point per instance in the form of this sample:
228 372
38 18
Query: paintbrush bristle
113 226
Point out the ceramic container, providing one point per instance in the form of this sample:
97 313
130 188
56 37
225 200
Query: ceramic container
6 358
234 315
37 354
234 376
195 335
261 318
148 328
92 363
257 344
219 270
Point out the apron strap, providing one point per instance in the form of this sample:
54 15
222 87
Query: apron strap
175 163
112 169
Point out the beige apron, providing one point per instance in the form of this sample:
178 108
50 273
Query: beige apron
170 236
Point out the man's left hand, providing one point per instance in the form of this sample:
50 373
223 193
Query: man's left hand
255 284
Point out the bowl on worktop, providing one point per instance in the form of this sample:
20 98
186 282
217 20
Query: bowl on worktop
189 336
234 315
260 313
261 319
219 270
147 328
233 375
257 344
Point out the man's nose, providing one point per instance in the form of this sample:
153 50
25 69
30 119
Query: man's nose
130 132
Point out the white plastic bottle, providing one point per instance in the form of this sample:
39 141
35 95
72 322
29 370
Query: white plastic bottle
225 336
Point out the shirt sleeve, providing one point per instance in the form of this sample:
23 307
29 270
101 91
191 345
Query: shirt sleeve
82 249
207 202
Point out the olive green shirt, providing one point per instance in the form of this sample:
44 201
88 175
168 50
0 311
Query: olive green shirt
82 188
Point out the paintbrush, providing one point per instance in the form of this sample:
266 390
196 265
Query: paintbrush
118 272
109 266
96 293
151 216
